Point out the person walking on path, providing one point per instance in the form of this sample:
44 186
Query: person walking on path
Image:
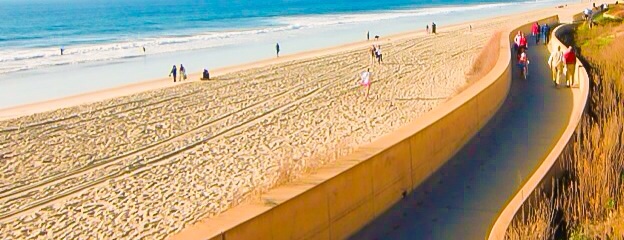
569 57
523 43
277 49
555 61
545 33
523 63
173 72
517 41
535 31
366 81
182 73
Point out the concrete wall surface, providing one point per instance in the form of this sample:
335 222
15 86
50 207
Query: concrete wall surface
344 196
543 175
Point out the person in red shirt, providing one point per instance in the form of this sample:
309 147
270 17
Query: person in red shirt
523 41
569 58
535 30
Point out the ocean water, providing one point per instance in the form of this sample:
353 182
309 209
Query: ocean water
33 31
103 40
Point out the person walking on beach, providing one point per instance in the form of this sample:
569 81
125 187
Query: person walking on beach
182 73
545 33
379 55
366 81
433 27
367 35
62 50
373 53
569 58
555 61
535 31
277 49
173 72
427 28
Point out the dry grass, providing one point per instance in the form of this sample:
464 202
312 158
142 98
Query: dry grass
483 63
537 218
616 11
588 198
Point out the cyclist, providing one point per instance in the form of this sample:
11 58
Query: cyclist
523 62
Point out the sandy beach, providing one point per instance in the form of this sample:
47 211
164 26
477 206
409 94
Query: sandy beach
144 165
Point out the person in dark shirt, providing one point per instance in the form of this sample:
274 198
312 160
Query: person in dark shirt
205 75
174 72
277 49
545 33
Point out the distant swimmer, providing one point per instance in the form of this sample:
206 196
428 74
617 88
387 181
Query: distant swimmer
366 81
174 72
277 49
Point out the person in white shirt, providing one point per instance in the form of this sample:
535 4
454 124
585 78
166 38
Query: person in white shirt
366 81
517 41
555 61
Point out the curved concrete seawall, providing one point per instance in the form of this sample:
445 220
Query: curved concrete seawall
342 198
543 175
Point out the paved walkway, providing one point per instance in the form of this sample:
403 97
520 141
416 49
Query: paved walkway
463 198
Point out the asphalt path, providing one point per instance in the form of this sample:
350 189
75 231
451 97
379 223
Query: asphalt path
463 198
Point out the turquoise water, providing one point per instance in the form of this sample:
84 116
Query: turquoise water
44 23
34 31
104 40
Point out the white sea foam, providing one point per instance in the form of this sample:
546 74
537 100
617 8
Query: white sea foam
24 59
